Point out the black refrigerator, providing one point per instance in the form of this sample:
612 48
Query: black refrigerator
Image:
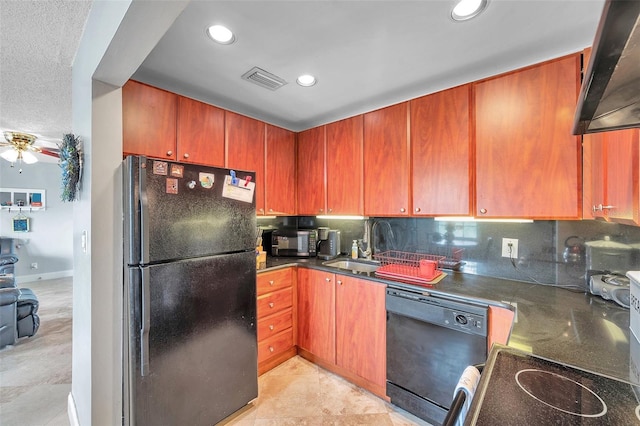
190 344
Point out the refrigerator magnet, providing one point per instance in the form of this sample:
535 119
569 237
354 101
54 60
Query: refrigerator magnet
177 170
206 180
242 191
172 186
160 168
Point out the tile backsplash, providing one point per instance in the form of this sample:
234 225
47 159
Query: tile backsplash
541 244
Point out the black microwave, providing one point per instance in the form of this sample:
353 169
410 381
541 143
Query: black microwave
294 242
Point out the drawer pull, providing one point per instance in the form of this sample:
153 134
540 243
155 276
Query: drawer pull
328 280
339 282
271 327
169 153
271 282
186 155
271 305
271 349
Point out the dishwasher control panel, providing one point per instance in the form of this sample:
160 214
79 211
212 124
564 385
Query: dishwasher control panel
466 321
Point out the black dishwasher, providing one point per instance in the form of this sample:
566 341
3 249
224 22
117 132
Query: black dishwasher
430 341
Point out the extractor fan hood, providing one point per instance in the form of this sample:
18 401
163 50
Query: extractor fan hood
610 94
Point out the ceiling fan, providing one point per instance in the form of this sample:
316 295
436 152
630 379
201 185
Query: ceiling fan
20 147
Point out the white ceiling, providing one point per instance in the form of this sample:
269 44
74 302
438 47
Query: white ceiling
366 54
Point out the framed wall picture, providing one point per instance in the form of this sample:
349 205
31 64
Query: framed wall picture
20 224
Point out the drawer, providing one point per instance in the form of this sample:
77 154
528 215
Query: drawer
275 345
274 302
274 280
274 324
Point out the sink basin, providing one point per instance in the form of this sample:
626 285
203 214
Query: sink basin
353 265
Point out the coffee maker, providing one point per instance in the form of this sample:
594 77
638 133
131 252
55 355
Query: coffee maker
328 243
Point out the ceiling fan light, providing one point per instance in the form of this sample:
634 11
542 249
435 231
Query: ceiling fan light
467 9
29 158
10 155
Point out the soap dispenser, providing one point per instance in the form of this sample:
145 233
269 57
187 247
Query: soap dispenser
354 249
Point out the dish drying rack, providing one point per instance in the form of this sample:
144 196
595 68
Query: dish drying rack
405 266
452 256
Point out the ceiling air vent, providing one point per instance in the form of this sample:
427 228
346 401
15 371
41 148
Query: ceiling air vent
264 78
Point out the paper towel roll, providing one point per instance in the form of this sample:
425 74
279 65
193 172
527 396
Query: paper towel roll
468 383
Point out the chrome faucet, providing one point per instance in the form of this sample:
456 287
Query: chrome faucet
366 239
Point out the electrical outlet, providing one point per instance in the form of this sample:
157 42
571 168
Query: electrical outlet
510 248
34 265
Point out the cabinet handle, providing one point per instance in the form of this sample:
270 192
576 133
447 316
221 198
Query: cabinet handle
271 327
402 210
270 210
261 210
330 210
321 210
339 282
271 305
271 282
417 209
186 155
483 211
328 280
169 153
600 208
271 349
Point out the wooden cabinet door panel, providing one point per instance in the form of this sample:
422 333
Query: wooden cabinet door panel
386 162
311 181
360 328
527 160
244 141
344 166
280 194
316 313
441 153
148 121
200 133
622 176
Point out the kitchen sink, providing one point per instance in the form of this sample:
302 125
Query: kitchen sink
353 265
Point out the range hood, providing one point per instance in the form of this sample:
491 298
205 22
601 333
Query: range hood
610 94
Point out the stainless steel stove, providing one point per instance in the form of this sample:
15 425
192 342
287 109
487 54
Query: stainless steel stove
613 287
517 388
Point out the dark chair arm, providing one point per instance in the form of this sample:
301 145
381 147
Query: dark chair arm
8 259
9 295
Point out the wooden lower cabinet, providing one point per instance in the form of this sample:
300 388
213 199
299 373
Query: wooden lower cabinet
342 327
276 317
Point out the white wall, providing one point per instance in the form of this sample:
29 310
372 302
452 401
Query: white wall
49 242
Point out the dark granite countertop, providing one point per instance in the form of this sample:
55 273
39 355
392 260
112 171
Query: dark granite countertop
570 327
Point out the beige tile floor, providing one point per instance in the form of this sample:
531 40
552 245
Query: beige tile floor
35 380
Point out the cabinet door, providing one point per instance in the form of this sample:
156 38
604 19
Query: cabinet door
200 131
148 121
361 321
311 166
622 176
386 162
316 313
344 166
527 160
441 153
244 141
593 177
280 194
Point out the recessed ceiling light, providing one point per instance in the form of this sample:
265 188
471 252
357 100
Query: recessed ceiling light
467 9
306 80
221 34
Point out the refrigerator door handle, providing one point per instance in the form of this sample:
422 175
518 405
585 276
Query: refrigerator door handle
146 323
144 212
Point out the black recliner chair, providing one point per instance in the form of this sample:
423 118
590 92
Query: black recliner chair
18 306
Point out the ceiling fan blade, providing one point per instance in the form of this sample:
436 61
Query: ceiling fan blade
50 153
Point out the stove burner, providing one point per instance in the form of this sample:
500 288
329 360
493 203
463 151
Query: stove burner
561 393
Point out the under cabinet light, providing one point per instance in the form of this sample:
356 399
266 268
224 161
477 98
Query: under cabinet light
475 219
347 217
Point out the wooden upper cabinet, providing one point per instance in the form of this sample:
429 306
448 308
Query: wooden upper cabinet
311 167
361 320
148 121
622 178
200 133
594 175
280 196
316 313
386 162
528 163
441 153
344 167
244 143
